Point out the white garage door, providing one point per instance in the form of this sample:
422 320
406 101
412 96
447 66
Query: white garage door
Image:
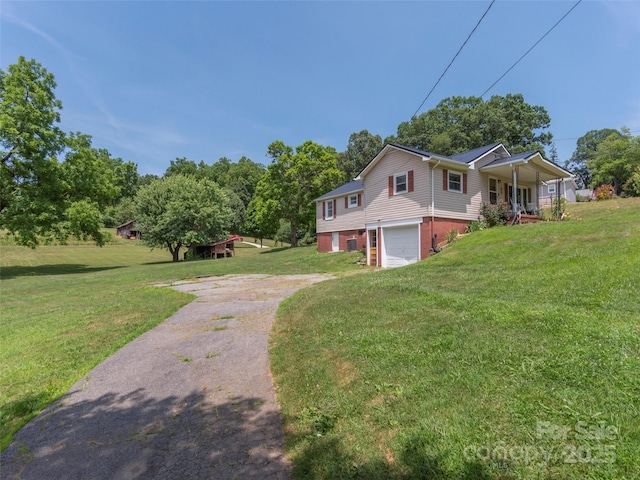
402 246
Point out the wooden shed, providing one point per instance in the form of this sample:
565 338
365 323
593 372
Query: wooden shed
221 249
128 230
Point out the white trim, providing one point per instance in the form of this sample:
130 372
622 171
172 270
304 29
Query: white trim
449 189
394 223
327 216
395 183
335 241
382 242
497 190
349 197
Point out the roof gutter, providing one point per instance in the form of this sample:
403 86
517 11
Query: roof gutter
447 162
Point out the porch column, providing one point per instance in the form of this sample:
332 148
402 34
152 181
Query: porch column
537 192
514 195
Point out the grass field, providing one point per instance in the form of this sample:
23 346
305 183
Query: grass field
513 354
66 308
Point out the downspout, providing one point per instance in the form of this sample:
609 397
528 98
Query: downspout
433 200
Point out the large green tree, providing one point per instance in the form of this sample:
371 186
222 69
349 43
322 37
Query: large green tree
237 179
361 149
586 148
40 197
291 183
179 211
616 160
458 124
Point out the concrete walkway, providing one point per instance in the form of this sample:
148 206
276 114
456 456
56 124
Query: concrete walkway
190 399
257 245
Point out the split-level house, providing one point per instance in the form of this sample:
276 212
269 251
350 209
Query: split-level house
405 200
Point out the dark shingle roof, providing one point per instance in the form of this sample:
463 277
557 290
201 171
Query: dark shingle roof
471 155
416 151
518 156
350 187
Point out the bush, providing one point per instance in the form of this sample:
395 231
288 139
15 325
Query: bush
451 236
558 207
604 192
476 226
582 198
495 215
309 239
632 186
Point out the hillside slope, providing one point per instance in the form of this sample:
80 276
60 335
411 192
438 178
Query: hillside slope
514 353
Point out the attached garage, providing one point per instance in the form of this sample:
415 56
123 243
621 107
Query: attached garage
401 245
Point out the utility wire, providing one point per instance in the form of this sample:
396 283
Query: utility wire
454 58
534 46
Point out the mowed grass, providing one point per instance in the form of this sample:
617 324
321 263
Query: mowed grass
66 308
513 354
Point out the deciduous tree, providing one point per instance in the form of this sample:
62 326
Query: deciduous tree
585 151
361 149
40 197
615 160
457 124
291 183
178 211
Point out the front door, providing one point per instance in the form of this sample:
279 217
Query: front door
522 199
373 248
335 242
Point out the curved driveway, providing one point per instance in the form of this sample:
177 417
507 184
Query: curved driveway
191 398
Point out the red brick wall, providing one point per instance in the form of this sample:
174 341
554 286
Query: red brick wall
441 226
325 243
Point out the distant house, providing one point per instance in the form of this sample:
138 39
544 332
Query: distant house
129 230
406 200
558 188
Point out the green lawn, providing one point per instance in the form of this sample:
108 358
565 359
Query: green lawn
66 308
514 353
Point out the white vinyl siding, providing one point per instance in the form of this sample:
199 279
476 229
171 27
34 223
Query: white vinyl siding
381 207
459 205
343 219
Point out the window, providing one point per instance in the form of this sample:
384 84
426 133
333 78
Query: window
552 188
329 209
353 201
455 182
400 183
493 191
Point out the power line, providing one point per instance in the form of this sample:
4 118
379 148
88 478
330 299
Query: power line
534 46
454 58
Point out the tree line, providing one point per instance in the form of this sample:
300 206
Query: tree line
55 185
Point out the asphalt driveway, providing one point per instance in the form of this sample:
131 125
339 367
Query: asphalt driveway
192 398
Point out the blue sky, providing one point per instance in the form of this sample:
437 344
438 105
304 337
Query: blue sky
152 80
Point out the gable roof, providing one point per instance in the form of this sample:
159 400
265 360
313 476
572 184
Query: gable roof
351 187
125 224
544 169
426 156
471 155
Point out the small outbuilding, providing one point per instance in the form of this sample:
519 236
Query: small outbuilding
129 230
221 249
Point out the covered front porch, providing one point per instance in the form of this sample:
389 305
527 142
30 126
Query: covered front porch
517 180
